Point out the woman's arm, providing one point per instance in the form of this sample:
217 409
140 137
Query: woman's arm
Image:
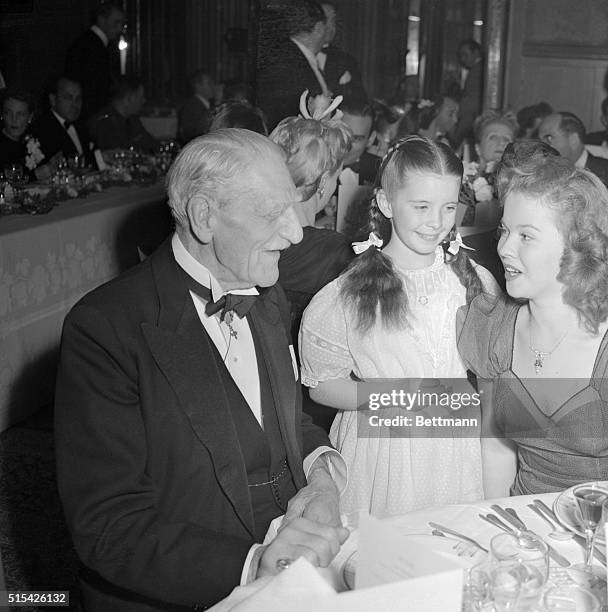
340 393
498 454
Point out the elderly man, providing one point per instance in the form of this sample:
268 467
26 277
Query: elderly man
179 429
60 130
290 66
89 60
566 133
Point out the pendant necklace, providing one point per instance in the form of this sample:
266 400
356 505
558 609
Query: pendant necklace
539 356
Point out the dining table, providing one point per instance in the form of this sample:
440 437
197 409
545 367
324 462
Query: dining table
336 594
47 263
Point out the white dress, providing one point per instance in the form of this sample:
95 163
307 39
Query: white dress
393 475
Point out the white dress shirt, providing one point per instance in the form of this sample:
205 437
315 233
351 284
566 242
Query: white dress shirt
240 360
311 58
72 133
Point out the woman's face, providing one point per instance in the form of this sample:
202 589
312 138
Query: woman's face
448 116
494 140
531 248
15 117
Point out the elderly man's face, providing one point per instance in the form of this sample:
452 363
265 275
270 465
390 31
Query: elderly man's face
250 231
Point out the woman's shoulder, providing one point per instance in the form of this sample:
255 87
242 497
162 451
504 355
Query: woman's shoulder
484 332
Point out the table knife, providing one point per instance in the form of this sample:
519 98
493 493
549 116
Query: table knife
580 540
520 525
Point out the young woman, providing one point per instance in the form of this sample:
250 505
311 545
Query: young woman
392 315
547 350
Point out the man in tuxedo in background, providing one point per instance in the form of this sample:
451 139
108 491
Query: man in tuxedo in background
195 114
117 125
341 70
59 130
470 56
291 65
89 59
178 422
566 133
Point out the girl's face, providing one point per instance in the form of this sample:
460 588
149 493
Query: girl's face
531 248
422 213
447 117
15 117
494 140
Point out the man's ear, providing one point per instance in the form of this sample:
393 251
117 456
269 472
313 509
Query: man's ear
383 204
201 213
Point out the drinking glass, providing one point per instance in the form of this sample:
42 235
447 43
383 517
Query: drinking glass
590 499
13 173
570 598
520 568
74 162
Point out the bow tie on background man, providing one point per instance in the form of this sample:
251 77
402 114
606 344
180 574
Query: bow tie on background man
241 304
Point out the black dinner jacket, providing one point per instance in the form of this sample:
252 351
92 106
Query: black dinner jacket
54 138
90 63
337 63
284 74
150 473
599 167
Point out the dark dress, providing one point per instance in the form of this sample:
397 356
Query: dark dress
554 451
14 152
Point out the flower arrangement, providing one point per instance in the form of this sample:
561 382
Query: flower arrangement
424 103
478 187
34 154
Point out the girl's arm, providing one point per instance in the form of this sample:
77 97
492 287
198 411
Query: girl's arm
340 393
498 455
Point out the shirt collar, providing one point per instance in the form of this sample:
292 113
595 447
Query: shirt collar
59 117
201 273
581 162
308 54
205 102
101 34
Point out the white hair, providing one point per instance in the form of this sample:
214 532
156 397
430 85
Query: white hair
212 165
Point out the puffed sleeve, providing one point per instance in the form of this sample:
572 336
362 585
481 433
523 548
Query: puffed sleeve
324 353
484 332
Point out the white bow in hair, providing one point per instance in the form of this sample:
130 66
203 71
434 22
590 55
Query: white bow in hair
321 112
456 244
373 240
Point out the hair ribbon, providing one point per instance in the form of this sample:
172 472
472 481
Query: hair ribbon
456 244
361 247
321 112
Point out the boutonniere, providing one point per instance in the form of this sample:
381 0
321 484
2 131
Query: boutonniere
34 154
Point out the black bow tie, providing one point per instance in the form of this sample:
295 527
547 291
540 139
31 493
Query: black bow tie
241 304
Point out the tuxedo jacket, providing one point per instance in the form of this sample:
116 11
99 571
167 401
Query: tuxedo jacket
89 62
149 468
336 65
470 103
194 119
283 75
599 167
54 138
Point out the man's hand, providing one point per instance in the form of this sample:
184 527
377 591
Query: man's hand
301 537
319 501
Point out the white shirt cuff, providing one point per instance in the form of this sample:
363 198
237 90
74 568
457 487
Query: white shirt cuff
335 464
245 577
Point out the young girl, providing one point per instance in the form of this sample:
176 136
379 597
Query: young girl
392 315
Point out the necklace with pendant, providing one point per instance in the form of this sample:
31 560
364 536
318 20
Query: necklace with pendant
540 356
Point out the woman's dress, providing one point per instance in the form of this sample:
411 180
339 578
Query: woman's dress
554 451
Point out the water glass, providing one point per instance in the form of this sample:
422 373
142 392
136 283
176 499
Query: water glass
570 598
520 568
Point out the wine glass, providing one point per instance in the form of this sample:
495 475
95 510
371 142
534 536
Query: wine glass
519 570
590 498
